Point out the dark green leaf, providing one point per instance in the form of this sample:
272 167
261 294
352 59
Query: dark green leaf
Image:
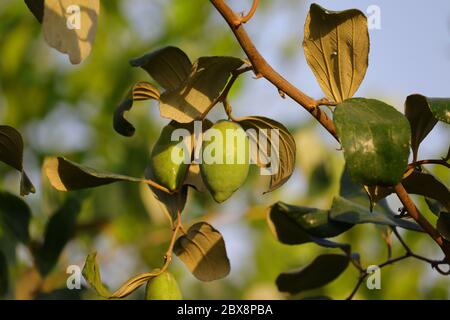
139 92
37 8
59 230
443 225
375 138
296 225
91 272
168 66
440 107
193 99
344 210
427 185
11 153
323 270
435 206
65 175
15 216
4 275
203 252
336 46
282 152
420 118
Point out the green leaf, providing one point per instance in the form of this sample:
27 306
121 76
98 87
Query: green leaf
296 225
198 93
336 46
420 119
281 153
37 8
435 206
4 275
59 230
203 252
375 138
91 272
15 216
76 42
443 225
440 107
323 270
11 153
139 92
344 210
65 175
168 66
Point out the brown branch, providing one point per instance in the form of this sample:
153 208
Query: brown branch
420 219
262 68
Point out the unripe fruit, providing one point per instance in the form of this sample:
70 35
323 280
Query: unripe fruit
167 170
225 162
163 287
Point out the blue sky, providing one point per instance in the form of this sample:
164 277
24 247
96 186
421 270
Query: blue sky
409 54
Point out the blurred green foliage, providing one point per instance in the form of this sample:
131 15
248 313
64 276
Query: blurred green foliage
67 110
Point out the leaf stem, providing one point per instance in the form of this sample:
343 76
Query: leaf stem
252 11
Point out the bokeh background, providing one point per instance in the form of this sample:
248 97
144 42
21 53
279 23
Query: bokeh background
67 110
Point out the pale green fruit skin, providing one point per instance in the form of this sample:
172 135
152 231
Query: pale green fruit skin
163 287
223 179
165 171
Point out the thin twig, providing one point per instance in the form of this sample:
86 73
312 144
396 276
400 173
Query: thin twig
420 219
252 11
263 69
429 161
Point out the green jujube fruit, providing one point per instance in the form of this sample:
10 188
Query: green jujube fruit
166 170
163 287
225 162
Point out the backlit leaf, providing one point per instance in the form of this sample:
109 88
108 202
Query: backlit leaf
375 138
420 118
336 46
277 153
77 40
198 93
65 175
168 66
203 252
11 153
91 272
323 270
139 92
